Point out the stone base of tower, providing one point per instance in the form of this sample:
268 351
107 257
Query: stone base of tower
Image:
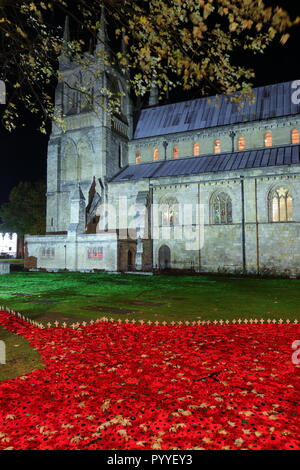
73 252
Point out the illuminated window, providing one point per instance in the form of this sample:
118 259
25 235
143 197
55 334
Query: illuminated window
221 209
176 152
268 139
155 154
217 146
280 205
95 253
196 150
241 143
295 136
138 157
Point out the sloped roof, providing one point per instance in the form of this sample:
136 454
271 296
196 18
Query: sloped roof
266 157
270 101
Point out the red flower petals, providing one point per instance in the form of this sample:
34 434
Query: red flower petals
111 386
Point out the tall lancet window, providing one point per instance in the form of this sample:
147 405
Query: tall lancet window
196 150
280 205
155 154
241 143
268 139
217 146
138 157
295 136
176 151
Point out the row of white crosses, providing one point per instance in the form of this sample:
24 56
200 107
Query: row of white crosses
76 325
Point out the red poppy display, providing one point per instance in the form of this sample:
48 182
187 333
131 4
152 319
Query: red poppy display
126 386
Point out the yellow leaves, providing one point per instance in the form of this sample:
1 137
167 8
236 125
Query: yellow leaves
284 38
233 26
21 32
32 7
81 404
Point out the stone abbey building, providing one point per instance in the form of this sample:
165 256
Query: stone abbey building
204 184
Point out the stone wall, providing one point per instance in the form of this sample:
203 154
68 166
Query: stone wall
253 132
270 247
72 253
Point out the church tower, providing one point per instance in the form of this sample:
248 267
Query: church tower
93 145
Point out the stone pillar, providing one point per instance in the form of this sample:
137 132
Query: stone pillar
77 212
139 254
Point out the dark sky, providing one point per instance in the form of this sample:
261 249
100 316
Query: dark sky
23 152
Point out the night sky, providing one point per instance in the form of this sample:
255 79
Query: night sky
23 152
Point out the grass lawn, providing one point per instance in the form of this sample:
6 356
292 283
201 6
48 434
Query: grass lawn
67 296
20 357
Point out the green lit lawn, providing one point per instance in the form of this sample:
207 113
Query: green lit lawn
65 296
20 357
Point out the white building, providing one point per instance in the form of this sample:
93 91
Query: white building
8 245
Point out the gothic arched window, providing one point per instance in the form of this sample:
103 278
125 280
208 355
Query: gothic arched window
196 150
241 143
217 146
295 136
169 211
176 151
268 139
221 209
155 154
280 205
138 157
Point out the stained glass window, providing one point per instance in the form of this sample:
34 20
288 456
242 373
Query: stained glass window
221 209
138 157
281 205
155 154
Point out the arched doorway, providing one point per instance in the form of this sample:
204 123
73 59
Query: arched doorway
164 257
130 261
